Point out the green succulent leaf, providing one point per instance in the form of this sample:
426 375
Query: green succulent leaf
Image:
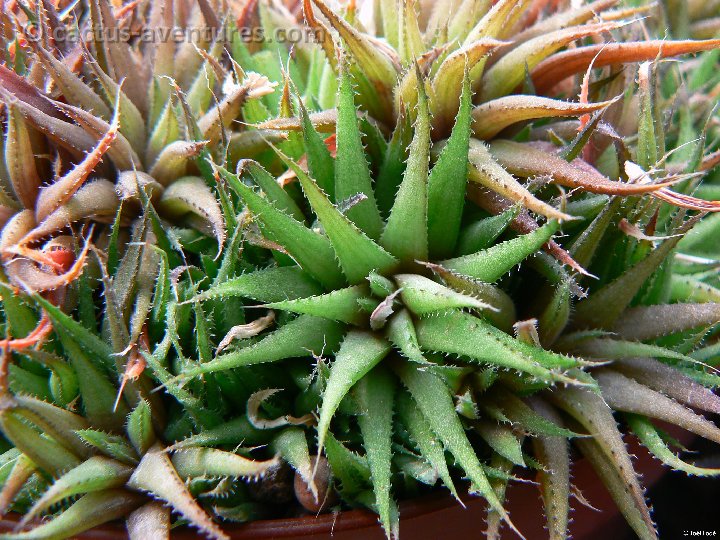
553 453
140 429
508 72
111 445
602 308
608 454
199 462
427 442
359 353
275 193
340 305
623 490
76 332
312 251
375 64
689 289
55 421
268 285
292 445
393 165
350 468
298 338
406 232
556 315
502 440
95 474
352 174
612 349
88 512
435 402
233 432
649 436
46 453
156 475
97 392
447 181
471 337
358 253
483 233
520 413
491 264
423 296
401 333
375 396
321 164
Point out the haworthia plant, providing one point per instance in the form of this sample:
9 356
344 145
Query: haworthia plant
425 248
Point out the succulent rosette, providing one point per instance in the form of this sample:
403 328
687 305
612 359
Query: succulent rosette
449 246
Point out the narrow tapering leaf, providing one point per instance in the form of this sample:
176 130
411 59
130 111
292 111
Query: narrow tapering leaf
312 251
352 175
486 171
196 462
422 434
20 159
401 333
340 305
648 434
491 264
667 380
527 161
434 401
95 474
156 475
358 354
625 394
452 77
422 296
321 164
447 181
564 64
509 71
376 63
48 454
602 308
493 116
375 396
140 429
357 252
501 439
292 445
406 232
554 454
88 512
269 285
607 452
471 337
191 195
300 337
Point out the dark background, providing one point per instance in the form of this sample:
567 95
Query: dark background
682 503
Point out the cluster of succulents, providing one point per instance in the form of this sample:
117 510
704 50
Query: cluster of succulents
437 246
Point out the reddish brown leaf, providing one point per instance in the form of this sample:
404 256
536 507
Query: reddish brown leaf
558 67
